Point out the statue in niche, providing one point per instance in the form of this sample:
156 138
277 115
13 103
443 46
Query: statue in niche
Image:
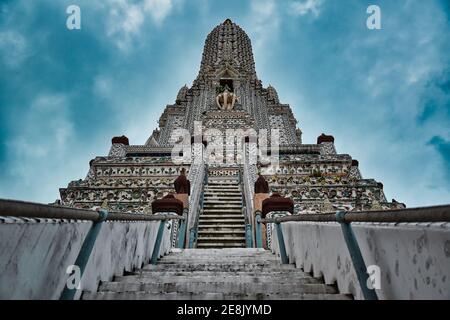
225 99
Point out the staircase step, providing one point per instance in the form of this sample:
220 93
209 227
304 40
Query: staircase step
174 274
224 196
226 205
220 239
217 202
219 221
221 232
201 245
223 227
222 191
209 296
221 216
218 287
217 267
233 260
236 210
207 278
232 274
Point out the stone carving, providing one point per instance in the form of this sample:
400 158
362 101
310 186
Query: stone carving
226 100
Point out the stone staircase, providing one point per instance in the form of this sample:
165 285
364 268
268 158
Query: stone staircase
224 274
222 224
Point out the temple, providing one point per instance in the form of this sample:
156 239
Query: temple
226 95
224 201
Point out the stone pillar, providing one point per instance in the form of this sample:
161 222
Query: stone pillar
326 143
261 193
118 147
183 190
169 205
354 170
272 207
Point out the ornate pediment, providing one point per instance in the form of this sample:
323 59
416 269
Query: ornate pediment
227 72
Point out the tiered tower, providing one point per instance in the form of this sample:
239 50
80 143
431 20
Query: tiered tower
227 94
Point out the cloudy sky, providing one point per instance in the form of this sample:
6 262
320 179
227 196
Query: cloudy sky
383 94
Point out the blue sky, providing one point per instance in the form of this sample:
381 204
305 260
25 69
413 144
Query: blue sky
384 95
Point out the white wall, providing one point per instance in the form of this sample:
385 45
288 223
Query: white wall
34 254
414 258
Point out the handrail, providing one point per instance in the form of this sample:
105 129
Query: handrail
247 191
23 209
345 219
193 232
410 215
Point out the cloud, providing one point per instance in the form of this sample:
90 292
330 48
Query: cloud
305 7
48 115
127 17
264 25
13 48
159 9
102 86
442 146
381 94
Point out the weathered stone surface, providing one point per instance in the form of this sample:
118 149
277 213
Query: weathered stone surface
413 259
35 254
217 274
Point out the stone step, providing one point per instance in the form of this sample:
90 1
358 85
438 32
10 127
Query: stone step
231 273
217 287
207 267
232 260
217 204
237 251
222 188
218 264
225 194
232 181
223 200
144 274
207 245
225 258
227 227
215 209
214 232
222 196
233 215
209 296
222 254
219 221
209 215
220 239
224 203
207 278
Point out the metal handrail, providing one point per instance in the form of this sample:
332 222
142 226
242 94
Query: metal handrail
23 209
410 215
345 219
193 232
